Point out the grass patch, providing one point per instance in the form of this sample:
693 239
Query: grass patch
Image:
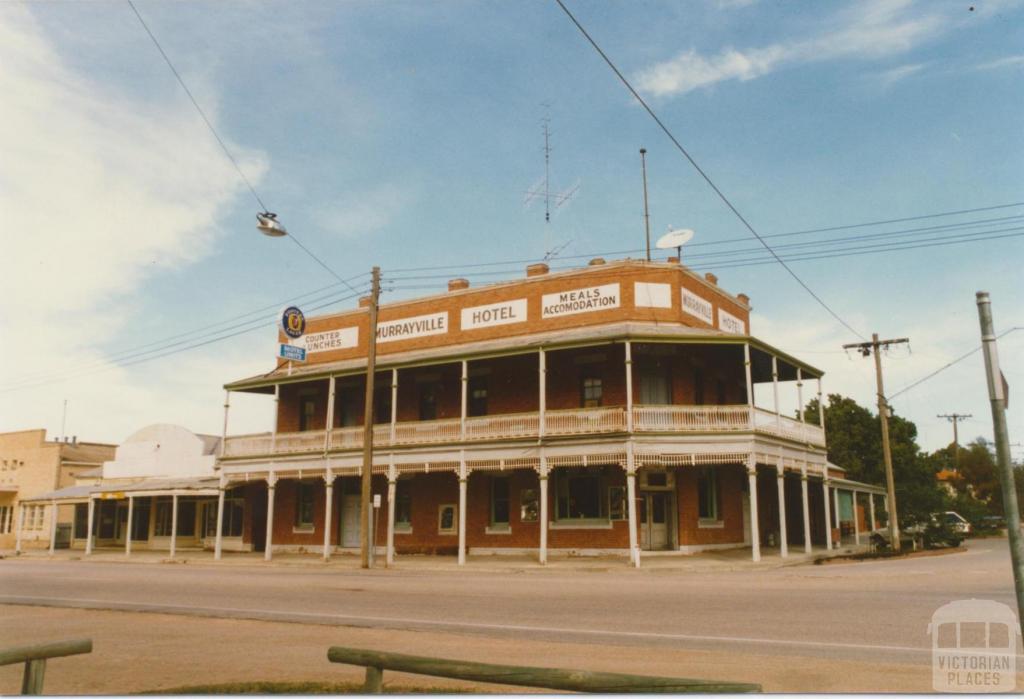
303 688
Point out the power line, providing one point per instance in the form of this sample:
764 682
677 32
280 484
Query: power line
223 146
703 174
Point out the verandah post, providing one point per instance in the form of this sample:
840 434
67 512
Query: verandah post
389 556
542 476
634 548
806 508
90 523
271 486
328 509
53 526
131 522
750 384
174 522
21 527
629 386
463 477
828 509
781 484
755 526
220 521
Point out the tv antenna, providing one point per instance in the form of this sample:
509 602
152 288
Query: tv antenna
542 190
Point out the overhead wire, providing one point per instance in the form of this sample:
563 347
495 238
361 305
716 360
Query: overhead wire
223 146
704 175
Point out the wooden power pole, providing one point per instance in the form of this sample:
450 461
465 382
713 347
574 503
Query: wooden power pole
955 418
866 348
365 506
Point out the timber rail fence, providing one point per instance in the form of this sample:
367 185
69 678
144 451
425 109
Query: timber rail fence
376 662
35 658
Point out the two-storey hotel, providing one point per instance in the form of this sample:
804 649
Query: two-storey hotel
604 409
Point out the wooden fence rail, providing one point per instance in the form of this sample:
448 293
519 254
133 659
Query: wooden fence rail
376 662
35 658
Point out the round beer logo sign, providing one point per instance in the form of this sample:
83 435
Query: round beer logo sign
293 323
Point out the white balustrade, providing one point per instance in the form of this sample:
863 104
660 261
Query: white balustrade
585 421
691 418
428 431
507 426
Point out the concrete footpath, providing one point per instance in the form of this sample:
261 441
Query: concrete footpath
729 560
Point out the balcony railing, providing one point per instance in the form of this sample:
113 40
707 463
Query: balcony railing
605 420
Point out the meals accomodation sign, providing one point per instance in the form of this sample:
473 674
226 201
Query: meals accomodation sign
585 300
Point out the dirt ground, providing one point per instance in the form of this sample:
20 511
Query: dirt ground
136 652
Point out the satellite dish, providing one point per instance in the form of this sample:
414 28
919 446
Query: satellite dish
267 224
675 239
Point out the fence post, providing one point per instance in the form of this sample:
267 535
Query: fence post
32 680
374 680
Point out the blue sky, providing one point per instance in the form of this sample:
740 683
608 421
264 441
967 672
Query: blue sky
405 134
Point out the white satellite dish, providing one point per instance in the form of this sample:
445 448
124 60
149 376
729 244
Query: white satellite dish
267 224
675 239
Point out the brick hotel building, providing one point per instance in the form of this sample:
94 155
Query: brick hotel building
604 409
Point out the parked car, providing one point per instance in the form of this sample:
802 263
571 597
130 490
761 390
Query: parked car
957 523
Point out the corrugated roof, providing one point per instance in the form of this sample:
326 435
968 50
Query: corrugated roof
82 492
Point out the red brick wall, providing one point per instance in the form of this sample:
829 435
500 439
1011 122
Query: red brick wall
731 484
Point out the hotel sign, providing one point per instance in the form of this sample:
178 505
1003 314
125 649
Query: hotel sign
698 307
343 338
410 328
730 323
493 314
585 300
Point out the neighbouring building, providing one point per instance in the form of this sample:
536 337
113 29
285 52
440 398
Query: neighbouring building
31 465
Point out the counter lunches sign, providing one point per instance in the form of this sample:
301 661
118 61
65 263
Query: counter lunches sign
410 328
343 338
591 298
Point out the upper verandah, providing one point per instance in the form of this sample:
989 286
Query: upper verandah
543 306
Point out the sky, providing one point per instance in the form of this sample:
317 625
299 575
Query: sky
408 134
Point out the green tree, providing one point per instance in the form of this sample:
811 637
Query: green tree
854 436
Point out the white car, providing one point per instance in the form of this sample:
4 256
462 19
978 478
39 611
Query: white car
956 522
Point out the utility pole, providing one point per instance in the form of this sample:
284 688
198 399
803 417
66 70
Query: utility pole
365 508
866 348
647 217
955 418
998 393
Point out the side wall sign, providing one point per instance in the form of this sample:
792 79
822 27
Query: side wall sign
585 300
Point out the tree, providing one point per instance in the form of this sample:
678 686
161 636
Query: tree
855 443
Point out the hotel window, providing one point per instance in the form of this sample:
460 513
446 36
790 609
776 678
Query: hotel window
382 405
529 505
162 517
707 494
233 510
499 502
186 517
698 386
477 403
617 503
447 519
591 392
307 409
304 506
5 523
140 523
403 504
428 400
581 496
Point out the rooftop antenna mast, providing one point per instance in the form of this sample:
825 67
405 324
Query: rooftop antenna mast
543 189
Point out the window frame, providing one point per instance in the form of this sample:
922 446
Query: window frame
441 509
563 504
709 476
588 382
493 523
305 504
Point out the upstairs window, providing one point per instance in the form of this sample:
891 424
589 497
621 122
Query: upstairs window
382 405
307 409
477 398
698 386
591 392
428 400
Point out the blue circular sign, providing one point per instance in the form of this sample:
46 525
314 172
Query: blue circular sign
293 323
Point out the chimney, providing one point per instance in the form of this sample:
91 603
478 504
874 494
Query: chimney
364 302
456 284
711 279
744 299
673 260
74 439
597 261
537 269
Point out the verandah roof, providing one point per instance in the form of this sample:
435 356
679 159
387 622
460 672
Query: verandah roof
146 487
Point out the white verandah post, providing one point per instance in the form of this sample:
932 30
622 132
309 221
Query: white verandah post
21 527
781 485
53 526
634 548
755 527
828 511
464 399
224 434
131 522
775 392
806 508
328 509
871 504
271 487
542 370
629 386
90 523
389 556
750 384
394 404
839 521
542 475
277 406
174 523
800 392
218 541
856 518
463 477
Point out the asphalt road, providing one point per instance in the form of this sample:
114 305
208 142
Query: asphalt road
867 611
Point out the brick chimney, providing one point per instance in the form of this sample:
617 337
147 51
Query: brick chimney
456 284
537 269
364 302
597 261
673 260
744 299
711 279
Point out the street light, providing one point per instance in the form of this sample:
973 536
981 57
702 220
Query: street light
268 225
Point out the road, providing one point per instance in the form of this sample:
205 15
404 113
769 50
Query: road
867 612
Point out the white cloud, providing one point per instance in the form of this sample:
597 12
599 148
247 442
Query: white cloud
1006 62
892 76
870 30
99 191
361 213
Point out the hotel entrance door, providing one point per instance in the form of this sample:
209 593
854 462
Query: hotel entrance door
655 515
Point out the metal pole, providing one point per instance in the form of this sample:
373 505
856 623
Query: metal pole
998 399
647 218
365 510
91 520
174 524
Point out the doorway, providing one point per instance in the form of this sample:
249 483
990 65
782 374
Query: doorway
655 512
348 522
